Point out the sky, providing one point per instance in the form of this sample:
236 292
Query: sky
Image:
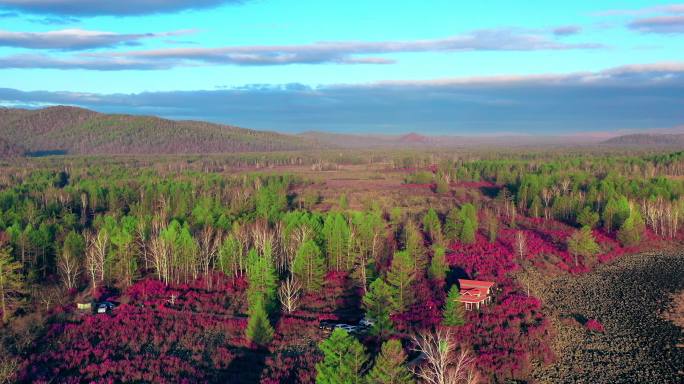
440 67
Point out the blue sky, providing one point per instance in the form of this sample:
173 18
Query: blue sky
439 67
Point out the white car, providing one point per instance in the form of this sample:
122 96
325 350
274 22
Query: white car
347 327
105 307
366 322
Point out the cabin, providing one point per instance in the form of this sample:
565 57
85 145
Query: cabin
475 294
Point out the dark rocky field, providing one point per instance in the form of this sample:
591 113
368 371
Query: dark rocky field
628 297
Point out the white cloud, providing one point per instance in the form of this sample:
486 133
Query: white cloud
110 7
76 39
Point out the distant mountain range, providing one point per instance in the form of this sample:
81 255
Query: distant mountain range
77 131
415 140
648 139
69 130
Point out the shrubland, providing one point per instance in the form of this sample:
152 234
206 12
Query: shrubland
222 270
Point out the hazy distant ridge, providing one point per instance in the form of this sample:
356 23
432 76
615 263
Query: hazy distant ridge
648 139
72 130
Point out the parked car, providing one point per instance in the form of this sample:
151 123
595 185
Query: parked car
327 325
366 322
105 307
348 328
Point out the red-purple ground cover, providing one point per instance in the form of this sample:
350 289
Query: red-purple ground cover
192 333
150 339
512 331
186 334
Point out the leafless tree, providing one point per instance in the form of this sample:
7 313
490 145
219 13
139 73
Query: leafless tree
96 252
547 195
141 241
48 296
242 234
662 216
673 217
69 268
160 253
520 244
262 236
209 243
565 186
289 293
444 361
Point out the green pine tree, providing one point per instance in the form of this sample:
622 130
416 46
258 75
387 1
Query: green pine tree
632 229
309 266
377 303
11 282
400 278
432 226
582 243
468 231
262 279
230 256
468 211
452 224
453 308
336 233
588 218
438 265
259 330
343 359
389 366
414 244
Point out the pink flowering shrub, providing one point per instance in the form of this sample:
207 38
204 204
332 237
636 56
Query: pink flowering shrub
291 367
594 326
511 332
195 339
426 311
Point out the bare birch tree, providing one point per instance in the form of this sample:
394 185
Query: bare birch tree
444 361
209 244
69 269
289 294
520 244
97 245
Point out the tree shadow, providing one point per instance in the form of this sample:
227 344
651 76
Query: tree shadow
490 192
579 318
245 368
454 274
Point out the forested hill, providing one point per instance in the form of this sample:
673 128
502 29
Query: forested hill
8 150
70 130
648 139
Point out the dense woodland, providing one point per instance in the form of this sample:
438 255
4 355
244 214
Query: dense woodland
223 267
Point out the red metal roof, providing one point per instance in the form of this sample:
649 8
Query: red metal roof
474 291
463 283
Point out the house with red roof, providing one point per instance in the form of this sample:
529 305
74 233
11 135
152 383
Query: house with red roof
475 294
